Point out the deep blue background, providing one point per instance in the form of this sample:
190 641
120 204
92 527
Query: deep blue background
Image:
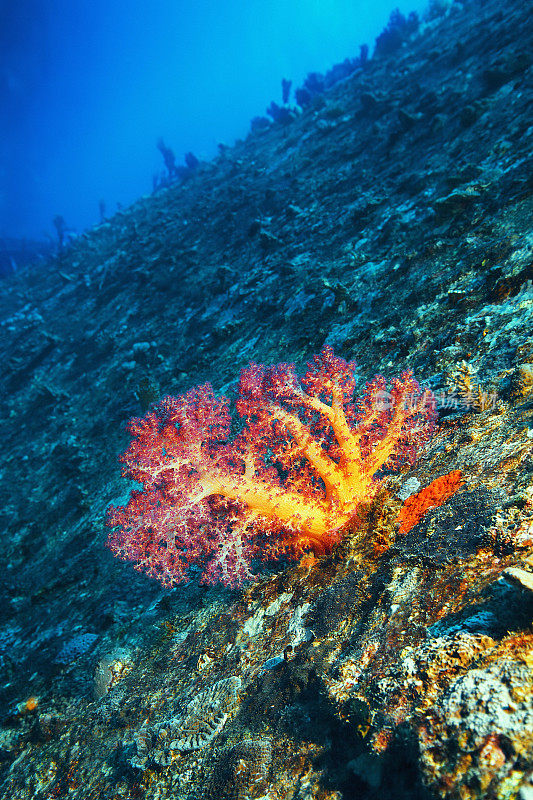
88 86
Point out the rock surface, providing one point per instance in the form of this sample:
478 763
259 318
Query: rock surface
390 219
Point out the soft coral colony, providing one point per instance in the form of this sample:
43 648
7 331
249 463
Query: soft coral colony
305 459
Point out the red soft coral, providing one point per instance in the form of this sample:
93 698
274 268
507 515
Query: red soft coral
288 482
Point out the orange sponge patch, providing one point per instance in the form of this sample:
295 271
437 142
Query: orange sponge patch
438 491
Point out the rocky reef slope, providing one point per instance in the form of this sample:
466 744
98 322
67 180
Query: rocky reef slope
390 219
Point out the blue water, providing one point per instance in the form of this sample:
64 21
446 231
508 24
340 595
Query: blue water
88 86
